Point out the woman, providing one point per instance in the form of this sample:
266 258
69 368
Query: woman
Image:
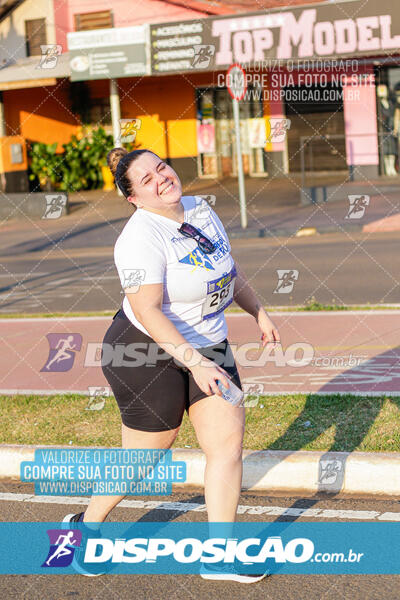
177 282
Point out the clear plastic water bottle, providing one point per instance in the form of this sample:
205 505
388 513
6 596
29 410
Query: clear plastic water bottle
232 394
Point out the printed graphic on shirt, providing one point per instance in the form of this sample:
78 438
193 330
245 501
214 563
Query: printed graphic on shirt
222 248
197 259
200 259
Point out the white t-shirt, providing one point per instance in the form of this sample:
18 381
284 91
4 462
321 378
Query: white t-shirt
197 287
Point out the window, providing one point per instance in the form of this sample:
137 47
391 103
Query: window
388 111
100 112
94 20
35 35
91 110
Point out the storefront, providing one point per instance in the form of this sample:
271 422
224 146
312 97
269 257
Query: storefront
323 84
323 90
320 66
216 134
388 106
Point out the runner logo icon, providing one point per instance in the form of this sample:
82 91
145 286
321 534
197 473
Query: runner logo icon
62 351
63 543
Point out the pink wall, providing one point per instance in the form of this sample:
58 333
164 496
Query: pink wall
61 21
360 119
125 12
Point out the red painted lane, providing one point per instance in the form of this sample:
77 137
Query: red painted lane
354 352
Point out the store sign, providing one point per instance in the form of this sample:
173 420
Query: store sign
334 30
108 53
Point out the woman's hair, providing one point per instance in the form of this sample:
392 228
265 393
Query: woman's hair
119 160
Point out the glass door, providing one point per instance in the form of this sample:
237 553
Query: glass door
207 157
216 140
257 135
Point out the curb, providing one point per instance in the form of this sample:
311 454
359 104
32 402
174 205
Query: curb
298 472
270 233
385 225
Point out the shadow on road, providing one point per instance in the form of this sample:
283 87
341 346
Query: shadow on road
348 434
348 437
79 237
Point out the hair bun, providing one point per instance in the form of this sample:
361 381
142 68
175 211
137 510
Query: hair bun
113 158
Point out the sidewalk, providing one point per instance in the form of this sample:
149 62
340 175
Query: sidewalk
273 209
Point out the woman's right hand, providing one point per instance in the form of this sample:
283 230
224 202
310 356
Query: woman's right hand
206 374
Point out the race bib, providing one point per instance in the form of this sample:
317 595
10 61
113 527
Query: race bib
219 295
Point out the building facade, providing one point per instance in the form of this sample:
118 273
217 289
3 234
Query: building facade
323 91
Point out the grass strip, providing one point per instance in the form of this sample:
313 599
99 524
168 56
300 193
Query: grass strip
295 422
315 306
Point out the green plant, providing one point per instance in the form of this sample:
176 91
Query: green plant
313 304
83 159
45 163
78 167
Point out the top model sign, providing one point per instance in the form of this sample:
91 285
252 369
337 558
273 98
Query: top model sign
328 30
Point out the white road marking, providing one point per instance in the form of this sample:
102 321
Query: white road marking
231 315
49 392
13 276
99 277
53 392
59 319
319 513
27 302
318 313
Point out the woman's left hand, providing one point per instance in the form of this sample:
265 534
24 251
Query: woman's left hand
270 333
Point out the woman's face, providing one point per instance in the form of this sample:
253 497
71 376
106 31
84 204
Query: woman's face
155 184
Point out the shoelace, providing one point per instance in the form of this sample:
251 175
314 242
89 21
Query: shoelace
77 518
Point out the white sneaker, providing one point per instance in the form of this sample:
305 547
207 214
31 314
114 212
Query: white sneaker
228 573
74 521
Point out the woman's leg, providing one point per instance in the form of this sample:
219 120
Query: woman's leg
219 428
100 506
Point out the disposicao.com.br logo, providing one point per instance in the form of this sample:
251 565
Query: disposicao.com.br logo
184 547
162 552
191 550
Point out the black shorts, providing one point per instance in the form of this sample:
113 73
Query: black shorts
152 394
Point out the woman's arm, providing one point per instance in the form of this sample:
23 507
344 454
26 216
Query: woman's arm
146 304
246 298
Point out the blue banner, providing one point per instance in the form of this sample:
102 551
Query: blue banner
171 547
103 471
